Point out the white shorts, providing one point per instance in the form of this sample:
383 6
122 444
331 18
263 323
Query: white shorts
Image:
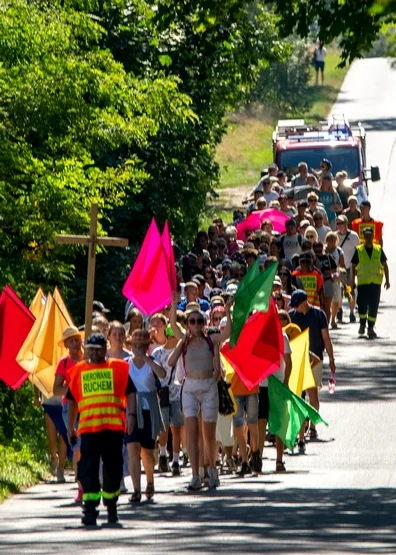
200 396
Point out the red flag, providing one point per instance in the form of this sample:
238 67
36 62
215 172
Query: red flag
16 321
259 349
148 286
169 256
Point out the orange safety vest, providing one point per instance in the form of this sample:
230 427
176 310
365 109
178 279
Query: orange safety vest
313 283
358 225
99 391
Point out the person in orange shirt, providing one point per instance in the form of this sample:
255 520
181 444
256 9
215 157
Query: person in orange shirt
311 279
97 390
365 221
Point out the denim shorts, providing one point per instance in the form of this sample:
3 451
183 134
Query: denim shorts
246 404
77 445
173 415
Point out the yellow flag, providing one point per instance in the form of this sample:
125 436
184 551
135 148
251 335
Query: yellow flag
229 372
41 352
37 303
301 377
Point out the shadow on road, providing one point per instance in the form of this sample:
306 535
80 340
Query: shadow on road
249 520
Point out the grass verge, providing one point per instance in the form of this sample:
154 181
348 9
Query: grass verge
247 146
19 469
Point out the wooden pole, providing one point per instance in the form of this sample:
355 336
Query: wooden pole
91 271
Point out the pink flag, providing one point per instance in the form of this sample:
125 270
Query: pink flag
259 349
254 220
148 286
16 321
169 256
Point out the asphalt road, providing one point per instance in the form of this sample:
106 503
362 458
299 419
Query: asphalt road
338 498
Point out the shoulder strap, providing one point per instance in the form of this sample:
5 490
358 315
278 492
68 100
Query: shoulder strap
345 238
210 343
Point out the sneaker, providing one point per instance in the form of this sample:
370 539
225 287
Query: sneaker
214 481
175 469
339 315
256 462
371 333
362 328
195 483
245 469
79 497
54 466
60 476
313 434
352 318
301 447
163 464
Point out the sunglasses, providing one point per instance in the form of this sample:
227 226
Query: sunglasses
239 276
312 200
310 236
340 223
266 182
198 321
221 246
318 219
216 318
278 298
285 273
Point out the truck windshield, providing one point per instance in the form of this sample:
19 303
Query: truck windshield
342 158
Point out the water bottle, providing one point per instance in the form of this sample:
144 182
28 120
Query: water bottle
332 384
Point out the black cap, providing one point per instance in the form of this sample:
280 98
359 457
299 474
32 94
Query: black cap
99 307
96 341
298 296
291 223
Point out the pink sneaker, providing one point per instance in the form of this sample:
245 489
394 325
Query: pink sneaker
79 497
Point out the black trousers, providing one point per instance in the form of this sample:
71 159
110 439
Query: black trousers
105 445
368 299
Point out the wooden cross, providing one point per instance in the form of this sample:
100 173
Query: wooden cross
92 240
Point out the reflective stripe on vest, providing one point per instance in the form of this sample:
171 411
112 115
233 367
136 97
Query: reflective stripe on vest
369 270
99 393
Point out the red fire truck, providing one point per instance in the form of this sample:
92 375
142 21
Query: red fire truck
341 142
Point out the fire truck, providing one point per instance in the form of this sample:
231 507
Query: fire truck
340 141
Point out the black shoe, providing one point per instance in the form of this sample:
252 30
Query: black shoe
245 469
175 469
301 447
352 318
90 514
256 462
339 315
362 328
371 333
163 464
112 517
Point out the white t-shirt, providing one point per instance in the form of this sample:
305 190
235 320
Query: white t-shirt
320 54
161 355
272 195
349 246
280 374
143 378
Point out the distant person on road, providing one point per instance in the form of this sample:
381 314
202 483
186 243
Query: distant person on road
319 62
314 205
365 221
352 212
348 241
330 199
300 179
369 264
344 191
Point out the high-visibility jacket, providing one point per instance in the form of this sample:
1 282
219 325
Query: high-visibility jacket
369 270
313 283
358 225
99 391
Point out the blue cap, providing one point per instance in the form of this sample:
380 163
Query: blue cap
298 297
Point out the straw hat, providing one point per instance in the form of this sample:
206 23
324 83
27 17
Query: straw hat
68 333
